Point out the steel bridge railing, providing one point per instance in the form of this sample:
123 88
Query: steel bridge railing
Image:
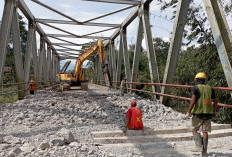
172 85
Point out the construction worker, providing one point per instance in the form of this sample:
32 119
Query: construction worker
202 110
123 86
61 88
32 87
134 118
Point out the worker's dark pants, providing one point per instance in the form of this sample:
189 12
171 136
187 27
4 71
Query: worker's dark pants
122 91
32 92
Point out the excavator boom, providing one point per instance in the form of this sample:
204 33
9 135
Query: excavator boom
77 75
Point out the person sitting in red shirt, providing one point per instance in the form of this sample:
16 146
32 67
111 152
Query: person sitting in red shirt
134 118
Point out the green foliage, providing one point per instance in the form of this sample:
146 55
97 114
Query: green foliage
202 59
205 58
11 77
8 98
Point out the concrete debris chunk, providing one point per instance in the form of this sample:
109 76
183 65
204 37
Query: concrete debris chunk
14 152
27 147
44 145
67 135
75 144
59 141
11 140
1 140
17 151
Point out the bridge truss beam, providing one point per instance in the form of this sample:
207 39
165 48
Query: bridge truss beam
131 2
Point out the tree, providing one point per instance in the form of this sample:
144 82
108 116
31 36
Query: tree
197 28
203 58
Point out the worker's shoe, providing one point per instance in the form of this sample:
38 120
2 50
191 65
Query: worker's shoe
205 144
198 141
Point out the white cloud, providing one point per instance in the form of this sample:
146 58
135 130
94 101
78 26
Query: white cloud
166 39
154 6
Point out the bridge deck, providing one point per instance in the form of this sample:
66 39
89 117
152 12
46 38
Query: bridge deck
37 120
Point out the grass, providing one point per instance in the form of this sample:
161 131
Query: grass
8 98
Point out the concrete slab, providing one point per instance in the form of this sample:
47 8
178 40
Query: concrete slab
119 133
159 137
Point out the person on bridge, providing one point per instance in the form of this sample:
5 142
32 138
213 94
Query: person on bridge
203 110
123 86
134 118
32 87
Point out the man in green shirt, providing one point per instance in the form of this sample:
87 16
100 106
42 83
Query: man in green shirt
203 110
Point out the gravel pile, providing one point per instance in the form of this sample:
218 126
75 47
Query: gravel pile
59 124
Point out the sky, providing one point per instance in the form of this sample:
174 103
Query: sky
161 22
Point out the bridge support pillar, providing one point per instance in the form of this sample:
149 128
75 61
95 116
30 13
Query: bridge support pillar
41 57
35 59
138 47
44 65
53 68
96 70
175 45
119 61
5 33
58 65
126 56
113 65
18 53
109 60
153 67
221 34
99 71
27 62
49 72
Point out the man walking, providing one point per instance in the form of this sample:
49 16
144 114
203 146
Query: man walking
203 110
134 118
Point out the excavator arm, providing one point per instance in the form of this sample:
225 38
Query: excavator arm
91 50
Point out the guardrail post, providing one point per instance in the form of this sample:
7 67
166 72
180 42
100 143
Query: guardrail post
221 34
175 45
153 67
137 52
5 33
17 52
126 55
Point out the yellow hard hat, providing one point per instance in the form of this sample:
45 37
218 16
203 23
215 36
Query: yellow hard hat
200 75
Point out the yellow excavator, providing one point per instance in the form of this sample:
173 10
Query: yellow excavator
79 75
